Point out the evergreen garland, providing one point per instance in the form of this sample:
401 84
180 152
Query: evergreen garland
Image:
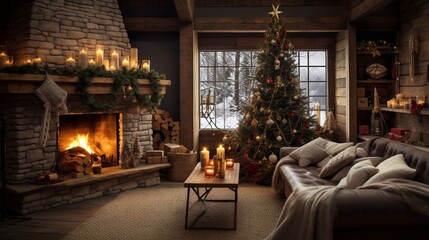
123 80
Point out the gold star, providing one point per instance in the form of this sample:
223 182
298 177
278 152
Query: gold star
275 11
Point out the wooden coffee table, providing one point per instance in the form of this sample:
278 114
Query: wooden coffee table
198 180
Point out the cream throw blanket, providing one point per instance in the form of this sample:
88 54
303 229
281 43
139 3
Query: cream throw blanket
277 182
308 212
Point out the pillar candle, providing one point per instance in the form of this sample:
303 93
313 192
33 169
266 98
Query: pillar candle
114 59
106 64
37 60
204 157
99 57
83 58
3 58
91 63
126 63
9 61
220 151
134 59
146 65
70 62
229 163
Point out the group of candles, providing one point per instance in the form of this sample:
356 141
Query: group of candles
402 102
317 112
217 165
128 62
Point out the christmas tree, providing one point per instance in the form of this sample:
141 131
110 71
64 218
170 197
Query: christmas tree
277 113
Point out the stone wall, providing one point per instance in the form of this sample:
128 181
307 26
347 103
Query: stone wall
24 114
51 28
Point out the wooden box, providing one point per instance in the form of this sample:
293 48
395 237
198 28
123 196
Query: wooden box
154 153
153 160
174 148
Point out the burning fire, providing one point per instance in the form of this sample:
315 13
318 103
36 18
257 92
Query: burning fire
81 140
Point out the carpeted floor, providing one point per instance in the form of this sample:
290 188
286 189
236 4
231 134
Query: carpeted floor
159 213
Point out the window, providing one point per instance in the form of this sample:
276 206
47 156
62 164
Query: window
312 70
226 78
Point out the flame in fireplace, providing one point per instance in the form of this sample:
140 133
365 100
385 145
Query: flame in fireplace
81 140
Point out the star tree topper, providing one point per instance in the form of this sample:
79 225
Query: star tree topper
275 11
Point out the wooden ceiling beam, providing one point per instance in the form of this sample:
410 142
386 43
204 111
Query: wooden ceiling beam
185 10
259 3
227 24
148 24
367 7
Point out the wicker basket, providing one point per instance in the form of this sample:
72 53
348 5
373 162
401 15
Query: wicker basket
182 165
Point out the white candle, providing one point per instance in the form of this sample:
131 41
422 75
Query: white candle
126 63
70 62
146 65
112 68
134 59
91 63
114 60
3 58
83 58
9 61
220 151
317 112
106 64
99 56
37 60
204 157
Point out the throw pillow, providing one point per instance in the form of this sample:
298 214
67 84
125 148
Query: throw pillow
358 174
393 167
341 160
308 154
361 152
330 147
343 172
324 161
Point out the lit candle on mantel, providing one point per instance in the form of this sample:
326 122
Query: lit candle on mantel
9 61
91 63
204 158
99 56
220 152
83 58
3 58
114 59
146 65
70 62
126 62
134 59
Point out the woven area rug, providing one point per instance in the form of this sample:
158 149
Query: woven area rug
159 213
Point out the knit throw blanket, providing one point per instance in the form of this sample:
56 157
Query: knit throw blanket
308 212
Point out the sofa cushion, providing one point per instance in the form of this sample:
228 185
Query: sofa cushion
343 172
358 174
341 160
308 154
393 167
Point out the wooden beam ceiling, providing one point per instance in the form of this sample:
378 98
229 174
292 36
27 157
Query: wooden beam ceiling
185 10
367 7
264 3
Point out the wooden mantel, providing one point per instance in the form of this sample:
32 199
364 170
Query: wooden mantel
27 84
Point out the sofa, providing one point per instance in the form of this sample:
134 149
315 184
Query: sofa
361 212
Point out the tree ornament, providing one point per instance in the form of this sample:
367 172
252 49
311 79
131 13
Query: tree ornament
258 138
257 94
247 124
270 81
264 159
276 64
284 121
262 109
248 115
296 97
270 122
272 158
279 138
229 148
294 131
224 139
254 122
273 42
292 114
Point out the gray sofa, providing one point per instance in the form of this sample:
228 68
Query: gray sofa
365 213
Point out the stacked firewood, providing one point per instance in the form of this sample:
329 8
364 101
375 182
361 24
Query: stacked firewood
76 161
165 130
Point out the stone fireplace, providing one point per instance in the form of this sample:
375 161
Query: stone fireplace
49 29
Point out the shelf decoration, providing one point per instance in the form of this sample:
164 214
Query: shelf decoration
374 47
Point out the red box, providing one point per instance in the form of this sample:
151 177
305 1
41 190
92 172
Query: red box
398 131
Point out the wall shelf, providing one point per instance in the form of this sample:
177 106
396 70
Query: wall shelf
424 111
374 81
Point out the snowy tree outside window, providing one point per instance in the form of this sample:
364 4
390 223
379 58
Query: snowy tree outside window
228 77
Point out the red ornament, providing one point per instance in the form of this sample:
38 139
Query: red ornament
247 123
278 40
270 81
246 155
292 114
286 47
